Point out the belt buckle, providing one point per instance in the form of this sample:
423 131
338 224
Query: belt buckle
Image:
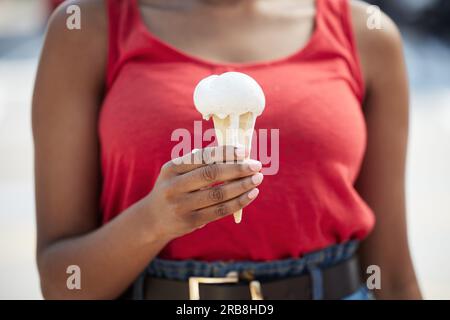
232 277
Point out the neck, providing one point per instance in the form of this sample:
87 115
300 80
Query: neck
231 5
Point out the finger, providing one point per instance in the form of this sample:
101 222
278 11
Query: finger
218 211
201 157
214 195
214 173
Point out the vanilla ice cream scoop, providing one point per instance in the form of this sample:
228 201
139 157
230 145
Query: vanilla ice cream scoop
228 93
233 100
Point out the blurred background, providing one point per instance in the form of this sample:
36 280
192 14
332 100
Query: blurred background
425 25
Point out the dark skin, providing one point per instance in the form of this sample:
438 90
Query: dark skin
67 98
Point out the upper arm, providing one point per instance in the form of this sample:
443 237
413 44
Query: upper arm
386 102
381 182
67 95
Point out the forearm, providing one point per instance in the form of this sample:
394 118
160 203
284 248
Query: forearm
398 278
110 258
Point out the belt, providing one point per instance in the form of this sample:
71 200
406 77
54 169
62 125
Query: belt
338 281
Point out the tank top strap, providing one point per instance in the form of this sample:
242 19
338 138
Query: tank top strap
123 37
335 22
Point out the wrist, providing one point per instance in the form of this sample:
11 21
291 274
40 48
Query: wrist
151 227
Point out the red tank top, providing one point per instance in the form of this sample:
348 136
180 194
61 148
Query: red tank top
313 97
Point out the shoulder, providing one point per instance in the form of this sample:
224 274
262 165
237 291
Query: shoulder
92 15
73 61
82 50
373 27
378 39
88 38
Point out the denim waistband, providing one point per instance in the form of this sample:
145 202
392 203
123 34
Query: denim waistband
183 269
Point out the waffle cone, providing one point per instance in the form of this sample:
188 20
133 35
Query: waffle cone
236 130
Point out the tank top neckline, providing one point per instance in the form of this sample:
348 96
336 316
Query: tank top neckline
297 54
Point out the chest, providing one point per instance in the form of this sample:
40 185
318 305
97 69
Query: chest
234 34
311 115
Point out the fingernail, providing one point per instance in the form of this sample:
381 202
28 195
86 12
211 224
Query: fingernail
257 178
240 153
255 165
253 194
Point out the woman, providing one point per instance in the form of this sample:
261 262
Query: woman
110 200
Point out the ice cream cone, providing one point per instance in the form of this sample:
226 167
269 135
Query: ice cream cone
236 130
233 100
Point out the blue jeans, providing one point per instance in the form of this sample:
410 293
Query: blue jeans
361 294
311 264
